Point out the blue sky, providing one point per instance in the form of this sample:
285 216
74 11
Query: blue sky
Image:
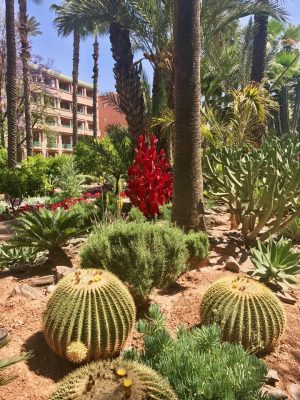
59 49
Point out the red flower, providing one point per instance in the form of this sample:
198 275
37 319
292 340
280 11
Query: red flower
149 182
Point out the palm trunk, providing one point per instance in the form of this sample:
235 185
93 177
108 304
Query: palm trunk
11 83
76 46
25 55
128 82
259 48
95 86
188 208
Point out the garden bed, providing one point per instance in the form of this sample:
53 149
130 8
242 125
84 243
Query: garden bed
180 303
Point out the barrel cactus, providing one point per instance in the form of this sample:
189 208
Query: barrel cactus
247 312
115 380
89 316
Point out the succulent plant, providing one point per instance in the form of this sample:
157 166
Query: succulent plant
292 231
10 257
276 264
247 312
113 380
261 186
88 316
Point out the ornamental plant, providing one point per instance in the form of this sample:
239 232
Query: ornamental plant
149 182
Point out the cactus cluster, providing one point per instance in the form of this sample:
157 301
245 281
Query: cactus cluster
247 312
89 316
261 187
113 380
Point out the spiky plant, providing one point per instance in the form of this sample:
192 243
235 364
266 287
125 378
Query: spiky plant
89 316
292 231
276 264
47 231
7 362
115 380
247 312
19 255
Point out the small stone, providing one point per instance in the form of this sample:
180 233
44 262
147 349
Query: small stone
272 377
20 268
294 390
275 393
232 265
229 249
26 291
62 271
286 298
40 280
50 289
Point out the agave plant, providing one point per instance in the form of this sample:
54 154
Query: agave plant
19 255
7 362
47 231
276 264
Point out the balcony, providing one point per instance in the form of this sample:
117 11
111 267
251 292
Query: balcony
67 146
37 143
52 145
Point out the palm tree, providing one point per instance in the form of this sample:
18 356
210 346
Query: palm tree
75 73
11 83
25 55
188 208
95 85
106 13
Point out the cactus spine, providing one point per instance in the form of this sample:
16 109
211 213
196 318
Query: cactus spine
89 316
114 380
247 312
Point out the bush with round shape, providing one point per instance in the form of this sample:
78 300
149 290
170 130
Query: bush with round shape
114 380
144 255
89 316
247 312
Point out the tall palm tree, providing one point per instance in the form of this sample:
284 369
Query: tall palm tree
11 82
25 55
75 73
188 208
95 85
106 13
259 48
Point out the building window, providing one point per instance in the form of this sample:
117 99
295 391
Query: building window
50 120
91 126
89 93
66 142
37 139
52 142
81 108
81 125
80 91
104 105
105 119
66 105
64 86
50 81
65 122
89 110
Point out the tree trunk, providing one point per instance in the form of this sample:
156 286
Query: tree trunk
128 82
25 56
11 83
76 46
259 48
188 208
95 86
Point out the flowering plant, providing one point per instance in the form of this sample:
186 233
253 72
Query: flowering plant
149 182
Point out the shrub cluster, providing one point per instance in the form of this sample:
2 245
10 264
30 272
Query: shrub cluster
145 255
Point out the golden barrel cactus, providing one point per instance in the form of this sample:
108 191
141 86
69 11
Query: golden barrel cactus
113 380
89 316
247 312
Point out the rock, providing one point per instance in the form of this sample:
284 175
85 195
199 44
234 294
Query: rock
26 291
294 390
272 377
62 271
3 333
229 249
286 298
20 268
50 289
232 265
40 280
275 393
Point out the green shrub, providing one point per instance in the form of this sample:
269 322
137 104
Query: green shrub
136 215
145 255
197 245
19 255
166 211
276 264
88 214
197 364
